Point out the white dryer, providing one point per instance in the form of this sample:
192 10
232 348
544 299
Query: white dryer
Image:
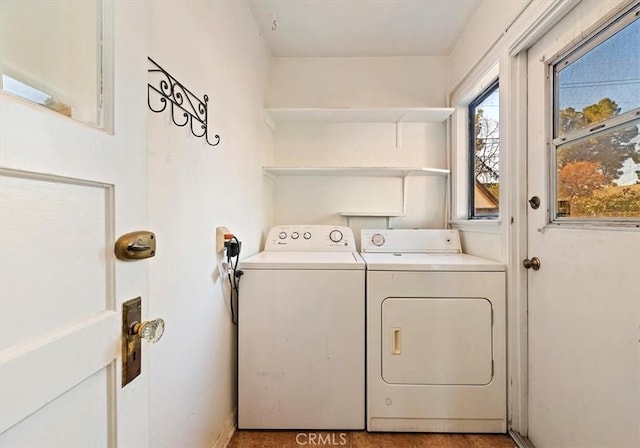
301 329
435 334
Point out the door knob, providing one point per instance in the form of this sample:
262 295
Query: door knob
134 330
533 263
150 331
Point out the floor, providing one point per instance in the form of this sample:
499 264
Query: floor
361 439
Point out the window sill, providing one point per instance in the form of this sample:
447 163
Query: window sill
477 225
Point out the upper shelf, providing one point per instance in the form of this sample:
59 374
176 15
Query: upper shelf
354 171
359 115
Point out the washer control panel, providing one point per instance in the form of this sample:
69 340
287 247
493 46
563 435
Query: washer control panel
411 241
311 238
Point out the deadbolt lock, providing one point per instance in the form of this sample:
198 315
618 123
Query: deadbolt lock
534 202
136 246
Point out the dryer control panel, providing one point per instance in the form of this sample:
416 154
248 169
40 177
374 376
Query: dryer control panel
311 238
442 241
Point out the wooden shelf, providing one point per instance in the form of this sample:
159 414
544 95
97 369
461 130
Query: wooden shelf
354 171
273 116
359 115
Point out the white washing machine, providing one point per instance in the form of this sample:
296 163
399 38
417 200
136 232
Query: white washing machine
301 329
435 334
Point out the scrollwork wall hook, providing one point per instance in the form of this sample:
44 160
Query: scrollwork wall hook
186 107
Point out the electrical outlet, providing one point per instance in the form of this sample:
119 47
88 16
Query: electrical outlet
220 233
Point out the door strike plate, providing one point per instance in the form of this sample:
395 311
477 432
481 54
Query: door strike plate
131 343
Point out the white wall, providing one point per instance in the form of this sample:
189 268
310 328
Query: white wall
359 82
213 48
475 58
489 23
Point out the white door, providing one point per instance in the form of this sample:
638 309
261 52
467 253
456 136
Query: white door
584 301
68 191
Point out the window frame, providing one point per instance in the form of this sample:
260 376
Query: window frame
471 155
556 141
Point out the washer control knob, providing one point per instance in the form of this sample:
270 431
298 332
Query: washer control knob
306 235
282 235
335 236
377 239
295 235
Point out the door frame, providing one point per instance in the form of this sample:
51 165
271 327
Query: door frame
536 21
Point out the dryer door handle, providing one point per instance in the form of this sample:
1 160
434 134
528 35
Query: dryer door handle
396 341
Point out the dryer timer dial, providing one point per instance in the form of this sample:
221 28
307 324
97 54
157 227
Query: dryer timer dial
377 239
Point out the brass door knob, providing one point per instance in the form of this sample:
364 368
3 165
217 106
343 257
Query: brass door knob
533 263
150 331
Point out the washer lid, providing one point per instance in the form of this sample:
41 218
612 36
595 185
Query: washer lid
295 260
429 262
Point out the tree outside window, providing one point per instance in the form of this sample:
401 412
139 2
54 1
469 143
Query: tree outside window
596 126
484 154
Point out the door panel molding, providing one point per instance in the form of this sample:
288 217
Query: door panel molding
66 359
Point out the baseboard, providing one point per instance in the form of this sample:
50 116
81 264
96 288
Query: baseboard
227 432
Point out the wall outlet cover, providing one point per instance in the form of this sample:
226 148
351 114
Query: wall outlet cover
220 233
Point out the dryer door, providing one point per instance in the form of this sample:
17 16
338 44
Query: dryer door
439 341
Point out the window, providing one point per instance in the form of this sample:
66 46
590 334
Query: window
31 93
484 154
596 125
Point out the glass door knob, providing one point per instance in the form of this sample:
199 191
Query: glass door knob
150 331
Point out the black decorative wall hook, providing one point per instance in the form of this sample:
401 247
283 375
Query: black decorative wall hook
186 108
